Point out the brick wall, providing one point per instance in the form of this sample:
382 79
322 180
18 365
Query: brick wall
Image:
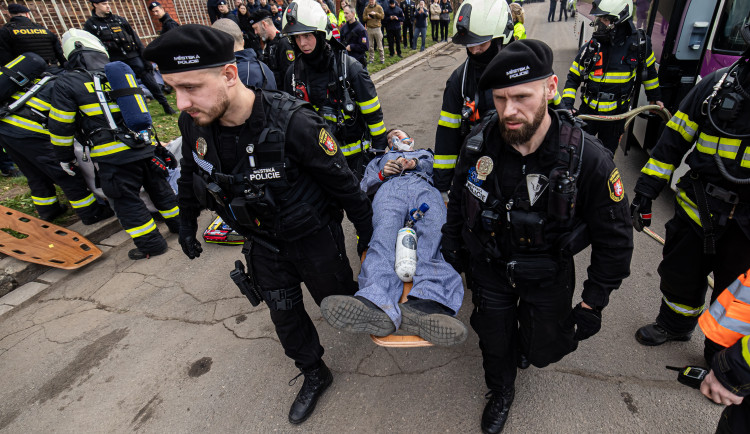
61 15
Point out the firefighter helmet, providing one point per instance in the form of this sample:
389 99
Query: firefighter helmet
305 16
620 10
479 21
76 40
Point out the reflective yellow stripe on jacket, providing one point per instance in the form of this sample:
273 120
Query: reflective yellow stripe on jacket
688 206
108 149
709 144
449 120
369 106
25 124
601 106
681 123
62 116
658 169
376 129
61 140
170 213
445 161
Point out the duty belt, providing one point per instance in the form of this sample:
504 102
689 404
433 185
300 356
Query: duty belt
606 96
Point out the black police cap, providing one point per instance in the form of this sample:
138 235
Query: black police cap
221 2
260 15
152 5
98 1
520 62
15 8
190 47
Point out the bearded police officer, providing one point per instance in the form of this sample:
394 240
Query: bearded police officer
266 164
22 35
483 27
336 84
608 67
123 44
710 229
277 52
529 192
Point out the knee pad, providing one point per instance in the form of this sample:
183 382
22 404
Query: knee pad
283 299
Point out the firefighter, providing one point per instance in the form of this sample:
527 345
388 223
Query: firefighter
710 230
336 84
607 68
25 138
125 161
483 26
123 44
22 35
530 190
265 163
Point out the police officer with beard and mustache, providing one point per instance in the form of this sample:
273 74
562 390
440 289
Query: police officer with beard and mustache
531 190
336 84
266 164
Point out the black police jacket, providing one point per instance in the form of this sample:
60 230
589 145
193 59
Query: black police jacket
689 126
278 54
299 182
354 36
507 217
116 34
367 119
75 108
449 136
21 35
167 24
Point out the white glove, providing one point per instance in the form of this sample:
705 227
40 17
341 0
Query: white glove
69 167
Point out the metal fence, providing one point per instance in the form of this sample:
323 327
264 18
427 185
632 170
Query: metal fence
61 15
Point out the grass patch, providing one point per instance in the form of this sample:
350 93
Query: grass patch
165 125
14 234
405 52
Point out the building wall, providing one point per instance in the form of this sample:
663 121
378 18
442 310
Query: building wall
61 15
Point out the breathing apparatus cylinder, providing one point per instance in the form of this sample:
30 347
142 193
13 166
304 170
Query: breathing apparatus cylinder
406 254
20 73
129 98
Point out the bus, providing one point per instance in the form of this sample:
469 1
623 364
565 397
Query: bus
690 38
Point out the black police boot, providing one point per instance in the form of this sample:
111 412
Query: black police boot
496 411
103 212
432 322
656 334
316 383
356 314
136 254
168 109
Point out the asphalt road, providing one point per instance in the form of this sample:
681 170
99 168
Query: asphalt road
168 344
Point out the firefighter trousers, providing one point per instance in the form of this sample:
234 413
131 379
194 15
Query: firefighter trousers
608 132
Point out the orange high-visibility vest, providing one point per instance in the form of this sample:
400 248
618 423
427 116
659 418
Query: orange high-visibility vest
728 318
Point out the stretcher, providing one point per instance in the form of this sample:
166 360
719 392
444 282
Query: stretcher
396 340
34 240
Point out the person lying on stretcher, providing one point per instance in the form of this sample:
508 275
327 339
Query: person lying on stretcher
401 180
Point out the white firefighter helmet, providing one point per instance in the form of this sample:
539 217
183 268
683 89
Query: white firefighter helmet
76 39
622 10
305 16
479 21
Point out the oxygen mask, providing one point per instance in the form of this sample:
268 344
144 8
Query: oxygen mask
603 29
406 144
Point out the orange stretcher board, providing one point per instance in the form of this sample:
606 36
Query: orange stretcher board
44 243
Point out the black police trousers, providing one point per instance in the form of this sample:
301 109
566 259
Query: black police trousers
684 268
147 77
319 260
608 132
122 185
527 319
36 159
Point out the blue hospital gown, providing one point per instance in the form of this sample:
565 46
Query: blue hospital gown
435 279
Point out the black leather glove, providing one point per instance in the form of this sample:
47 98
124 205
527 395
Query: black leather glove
640 212
455 258
169 159
190 245
363 241
588 322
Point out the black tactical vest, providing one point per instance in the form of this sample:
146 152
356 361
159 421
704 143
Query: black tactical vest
112 33
29 36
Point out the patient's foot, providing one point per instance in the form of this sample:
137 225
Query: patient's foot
432 322
356 315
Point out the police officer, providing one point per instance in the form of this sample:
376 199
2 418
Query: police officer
710 230
124 45
266 163
125 162
223 11
529 191
483 27
25 138
354 36
277 52
409 8
167 23
336 84
607 68
22 35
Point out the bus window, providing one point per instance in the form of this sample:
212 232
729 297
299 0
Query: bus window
733 16
640 19
661 24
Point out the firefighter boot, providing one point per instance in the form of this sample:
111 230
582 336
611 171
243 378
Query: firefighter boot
315 384
656 334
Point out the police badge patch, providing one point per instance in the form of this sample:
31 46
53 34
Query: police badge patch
201 147
364 40
290 55
326 142
616 189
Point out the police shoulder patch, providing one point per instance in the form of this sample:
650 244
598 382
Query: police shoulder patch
326 142
364 40
616 189
290 55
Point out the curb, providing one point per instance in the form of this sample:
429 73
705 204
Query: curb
386 73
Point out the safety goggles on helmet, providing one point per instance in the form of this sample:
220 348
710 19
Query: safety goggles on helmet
479 21
619 10
304 16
